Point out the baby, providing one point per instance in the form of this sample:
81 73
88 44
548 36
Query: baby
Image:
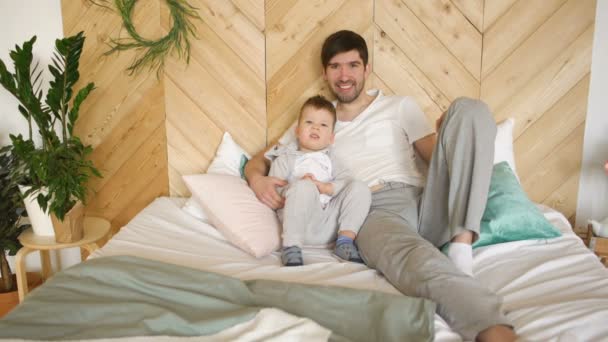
320 197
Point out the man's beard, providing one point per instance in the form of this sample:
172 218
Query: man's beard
346 98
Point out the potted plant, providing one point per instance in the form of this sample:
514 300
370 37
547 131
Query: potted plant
57 172
11 212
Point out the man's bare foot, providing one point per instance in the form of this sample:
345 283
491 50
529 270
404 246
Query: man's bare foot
497 333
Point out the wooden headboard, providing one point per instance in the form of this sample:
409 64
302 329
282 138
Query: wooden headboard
255 61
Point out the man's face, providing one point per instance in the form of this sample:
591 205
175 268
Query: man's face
345 74
315 129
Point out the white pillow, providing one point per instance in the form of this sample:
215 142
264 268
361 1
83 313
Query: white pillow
193 208
230 158
503 145
235 211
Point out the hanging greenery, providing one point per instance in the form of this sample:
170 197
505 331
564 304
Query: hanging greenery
155 51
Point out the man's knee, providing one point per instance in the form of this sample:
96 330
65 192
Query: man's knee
471 111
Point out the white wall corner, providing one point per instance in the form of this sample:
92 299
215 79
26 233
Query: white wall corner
593 186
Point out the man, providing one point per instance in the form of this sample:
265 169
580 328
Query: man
379 138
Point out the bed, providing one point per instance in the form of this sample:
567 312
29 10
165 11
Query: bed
554 290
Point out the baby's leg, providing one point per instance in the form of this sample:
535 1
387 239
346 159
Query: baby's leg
302 211
351 206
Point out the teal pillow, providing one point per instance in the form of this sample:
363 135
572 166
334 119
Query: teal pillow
509 214
242 165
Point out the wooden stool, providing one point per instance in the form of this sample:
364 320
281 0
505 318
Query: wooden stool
95 228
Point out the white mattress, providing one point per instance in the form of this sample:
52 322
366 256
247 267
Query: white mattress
554 290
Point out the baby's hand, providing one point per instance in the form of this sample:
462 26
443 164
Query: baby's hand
324 188
310 176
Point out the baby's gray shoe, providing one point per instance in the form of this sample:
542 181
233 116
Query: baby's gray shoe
292 256
348 252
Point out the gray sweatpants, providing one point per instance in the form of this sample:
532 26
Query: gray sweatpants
406 225
306 222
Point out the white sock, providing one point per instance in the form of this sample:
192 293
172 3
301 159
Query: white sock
461 255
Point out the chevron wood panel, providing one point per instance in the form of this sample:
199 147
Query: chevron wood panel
124 116
255 61
472 10
222 88
417 38
493 9
536 63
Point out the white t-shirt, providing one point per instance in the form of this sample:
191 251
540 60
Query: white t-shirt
377 145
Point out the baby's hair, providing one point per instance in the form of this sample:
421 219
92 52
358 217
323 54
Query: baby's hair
319 102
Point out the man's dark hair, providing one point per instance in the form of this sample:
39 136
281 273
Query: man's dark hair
319 102
343 41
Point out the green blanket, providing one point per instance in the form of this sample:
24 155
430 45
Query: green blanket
127 296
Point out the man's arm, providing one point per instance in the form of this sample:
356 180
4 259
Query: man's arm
425 146
264 187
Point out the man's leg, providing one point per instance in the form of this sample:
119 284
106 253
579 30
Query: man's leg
388 242
459 174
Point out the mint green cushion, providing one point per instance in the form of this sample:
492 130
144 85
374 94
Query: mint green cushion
509 214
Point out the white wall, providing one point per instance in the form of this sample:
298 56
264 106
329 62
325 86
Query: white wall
593 185
19 21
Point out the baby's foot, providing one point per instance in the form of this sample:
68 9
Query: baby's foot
292 256
346 250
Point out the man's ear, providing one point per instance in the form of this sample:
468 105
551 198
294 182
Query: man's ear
368 70
324 74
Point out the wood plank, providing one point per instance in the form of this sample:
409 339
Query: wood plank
418 43
186 119
218 104
378 83
493 9
452 29
510 30
551 128
472 10
239 33
129 135
295 76
72 13
285 36
253 10
229 72
155 188
398 72
275 10
115 96
552 82
137 173
540 49
555 169
564 198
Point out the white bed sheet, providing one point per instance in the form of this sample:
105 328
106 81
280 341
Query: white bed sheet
554 290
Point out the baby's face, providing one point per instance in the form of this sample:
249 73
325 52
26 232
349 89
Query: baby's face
315 130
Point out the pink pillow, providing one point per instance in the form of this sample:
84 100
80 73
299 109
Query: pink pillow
233 209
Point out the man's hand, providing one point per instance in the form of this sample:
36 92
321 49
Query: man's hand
265 189
324 188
